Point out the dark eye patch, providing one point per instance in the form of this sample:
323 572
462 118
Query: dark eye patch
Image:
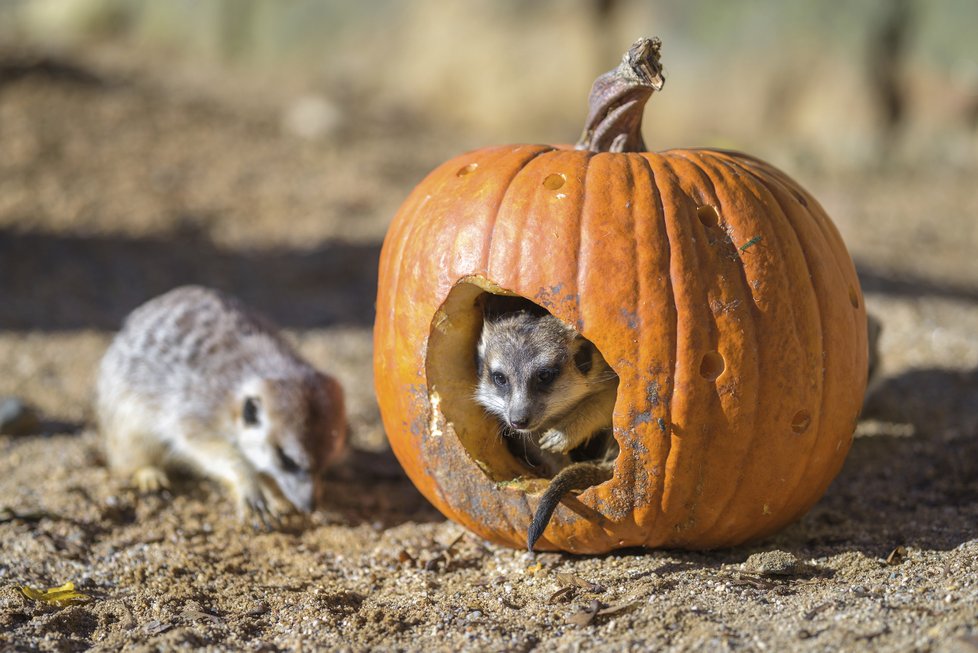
287 463
249 413
547 375
500 379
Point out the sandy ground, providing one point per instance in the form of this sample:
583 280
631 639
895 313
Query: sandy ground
117 184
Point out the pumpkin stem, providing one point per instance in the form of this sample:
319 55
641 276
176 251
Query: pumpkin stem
617 100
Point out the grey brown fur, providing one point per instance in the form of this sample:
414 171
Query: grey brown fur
196 380
550 387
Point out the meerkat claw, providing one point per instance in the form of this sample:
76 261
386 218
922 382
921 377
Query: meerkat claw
253 508
555 440
150 479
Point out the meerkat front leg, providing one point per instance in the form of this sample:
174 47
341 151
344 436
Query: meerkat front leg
132 448
586 419
219 458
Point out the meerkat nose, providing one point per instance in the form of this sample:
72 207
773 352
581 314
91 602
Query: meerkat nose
519 422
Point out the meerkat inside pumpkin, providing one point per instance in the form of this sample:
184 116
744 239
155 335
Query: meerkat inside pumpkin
529 397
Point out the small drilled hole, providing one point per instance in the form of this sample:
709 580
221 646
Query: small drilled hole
467 169
554 181
853 297
801 421
712 366
708 215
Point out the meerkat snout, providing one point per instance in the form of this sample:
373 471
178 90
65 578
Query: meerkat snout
274 444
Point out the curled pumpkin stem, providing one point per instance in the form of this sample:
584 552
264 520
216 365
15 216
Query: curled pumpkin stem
617 100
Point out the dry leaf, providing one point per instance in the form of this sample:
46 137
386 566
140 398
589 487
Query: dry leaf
614 609
586 616
404 557
59 596
896 555
155 627
560 595
571 580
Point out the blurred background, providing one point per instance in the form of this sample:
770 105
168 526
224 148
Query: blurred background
262 146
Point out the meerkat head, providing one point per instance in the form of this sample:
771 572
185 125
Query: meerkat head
289 429
532 369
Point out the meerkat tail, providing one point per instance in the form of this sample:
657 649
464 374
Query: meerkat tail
573 477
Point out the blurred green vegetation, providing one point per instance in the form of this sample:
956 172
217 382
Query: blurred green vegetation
829 83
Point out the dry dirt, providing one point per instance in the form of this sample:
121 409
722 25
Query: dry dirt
117 183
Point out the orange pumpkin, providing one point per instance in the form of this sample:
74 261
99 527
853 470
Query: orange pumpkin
714 285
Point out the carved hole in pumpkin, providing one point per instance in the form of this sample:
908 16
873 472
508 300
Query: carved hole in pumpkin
708 215
711 367
464 170
554 181
853 297
451 370
801 421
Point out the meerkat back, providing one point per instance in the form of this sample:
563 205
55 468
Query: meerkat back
171 363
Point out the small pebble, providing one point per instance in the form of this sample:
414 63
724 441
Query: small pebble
17 418
773 563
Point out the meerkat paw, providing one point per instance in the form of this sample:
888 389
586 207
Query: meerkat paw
277 504
557 441
256 507
150 479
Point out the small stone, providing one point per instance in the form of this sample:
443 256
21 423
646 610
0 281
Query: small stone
17 418
773 563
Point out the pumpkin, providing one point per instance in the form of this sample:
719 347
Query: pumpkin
715 286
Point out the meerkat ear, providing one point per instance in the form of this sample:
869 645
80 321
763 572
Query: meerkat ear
250 411
480 349
583 357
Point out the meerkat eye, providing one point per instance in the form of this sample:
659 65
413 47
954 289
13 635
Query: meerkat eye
250 411
499 379
288 464
546 376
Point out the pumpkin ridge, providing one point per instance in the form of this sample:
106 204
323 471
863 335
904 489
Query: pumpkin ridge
711 166
701 171
636 302
791 230
681 154
670 449
705 262
658 519
818 216
494 213
778 184
779 244
594 211
790 496
394 261
581 215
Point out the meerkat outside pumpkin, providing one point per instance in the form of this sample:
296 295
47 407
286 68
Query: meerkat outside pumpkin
196 380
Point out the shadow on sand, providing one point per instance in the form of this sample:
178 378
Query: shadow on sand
52 282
